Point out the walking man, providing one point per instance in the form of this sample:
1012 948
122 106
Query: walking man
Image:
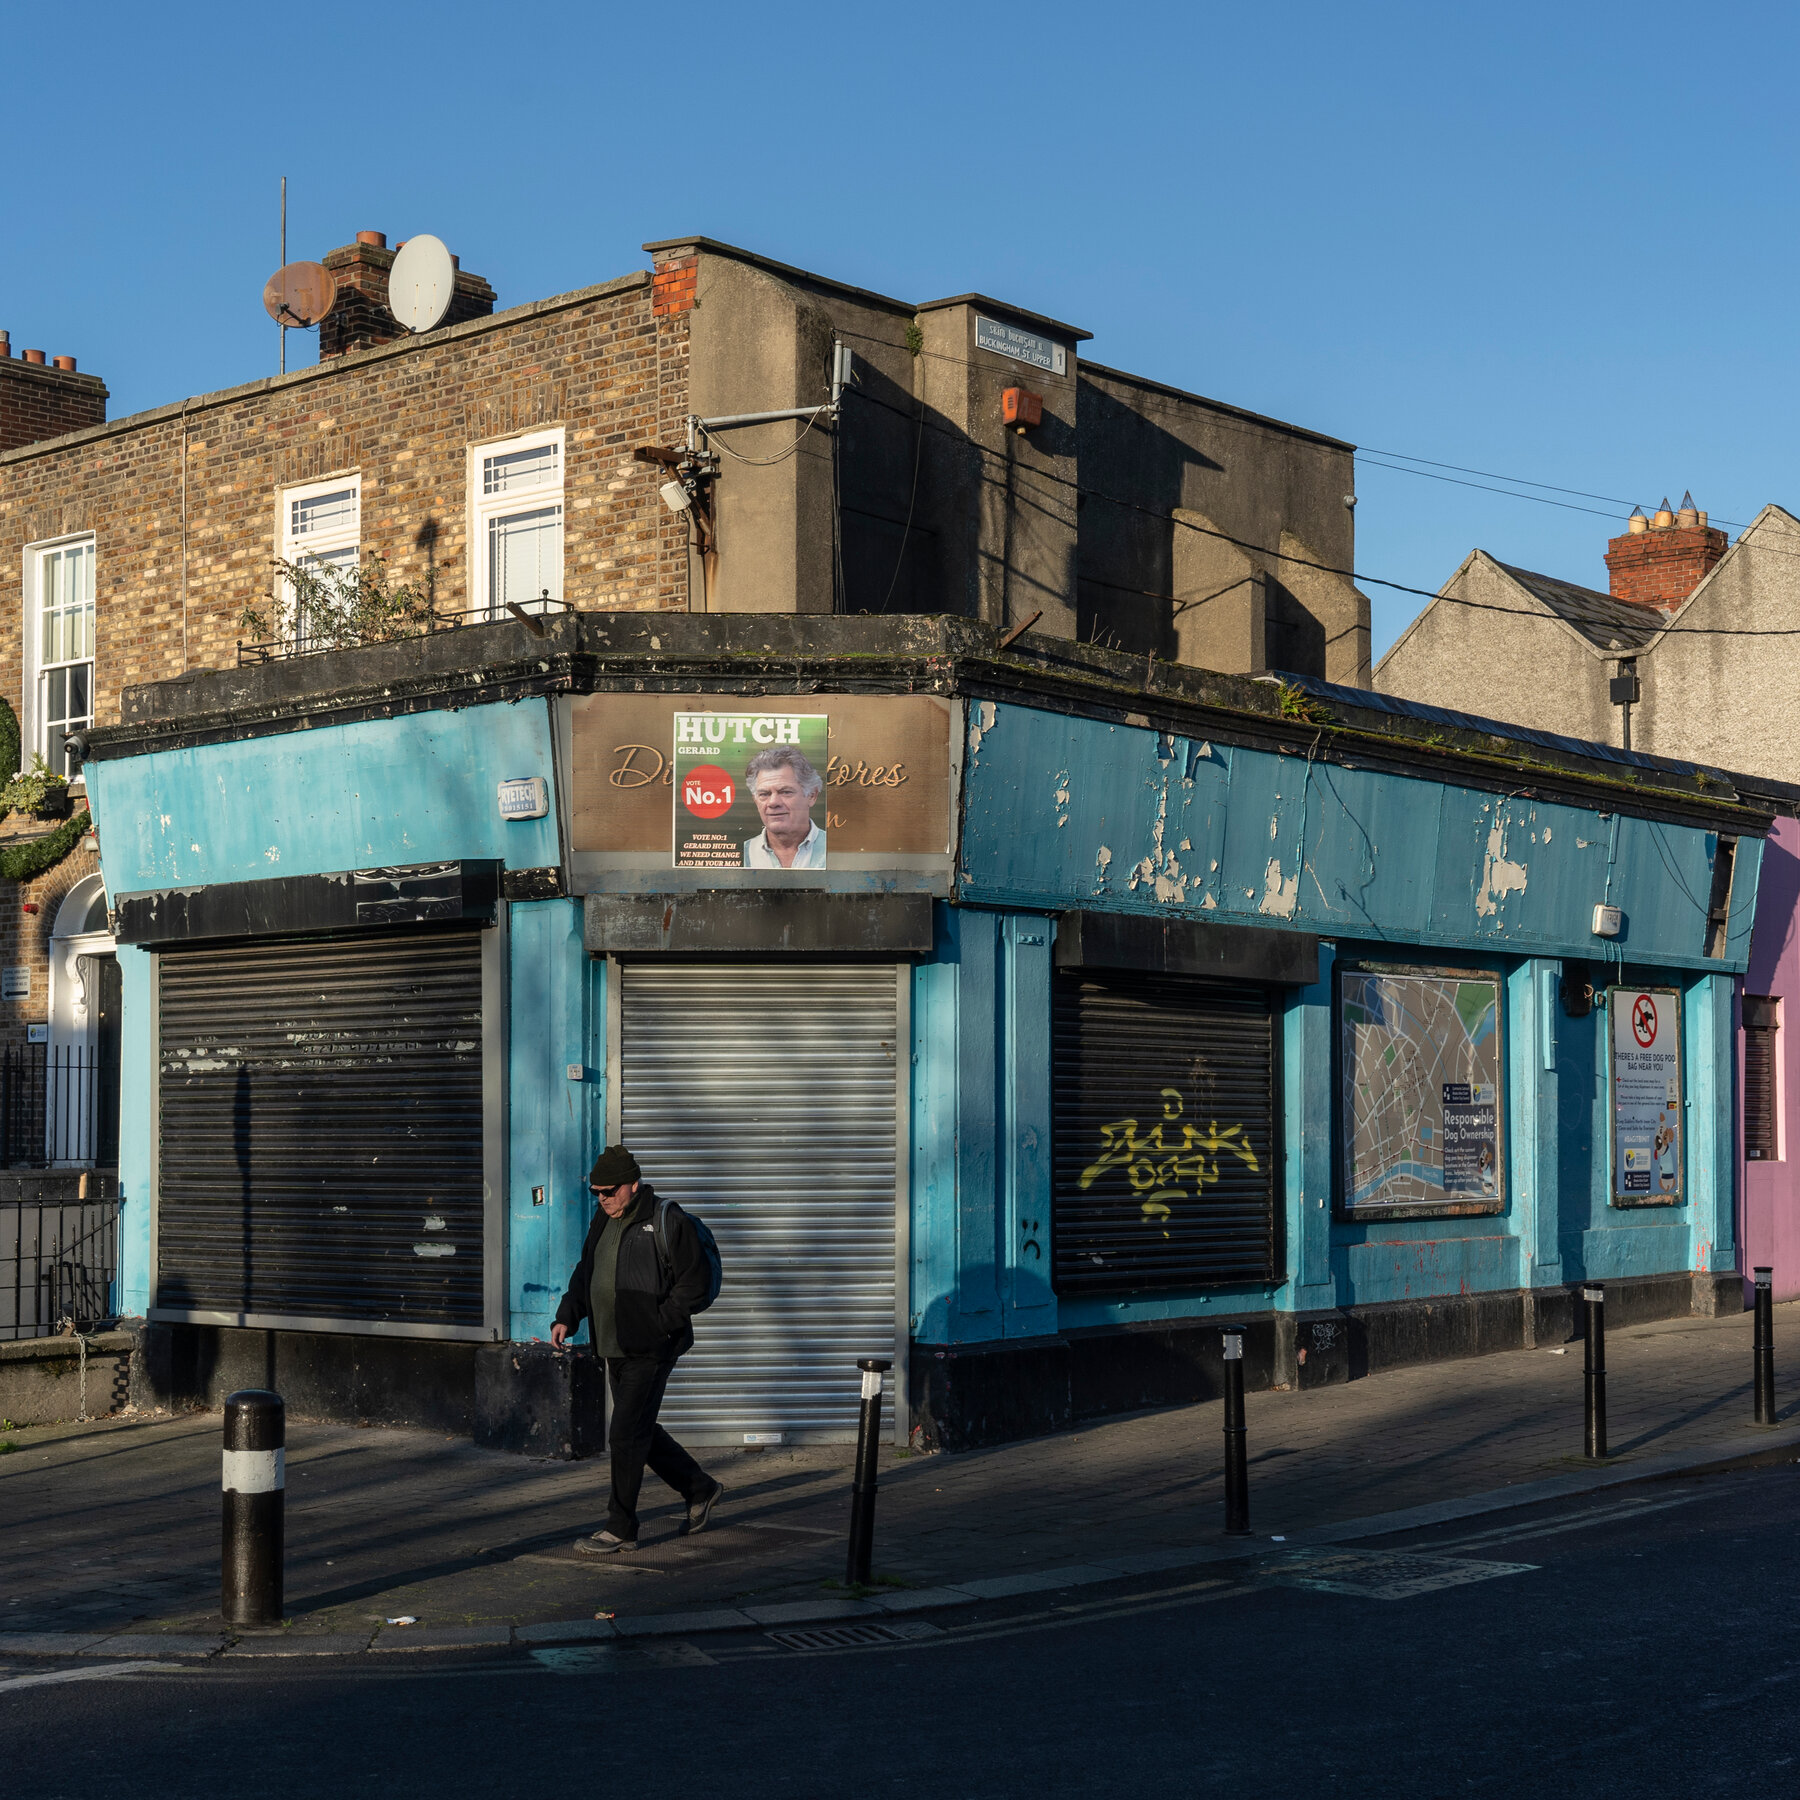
638 1318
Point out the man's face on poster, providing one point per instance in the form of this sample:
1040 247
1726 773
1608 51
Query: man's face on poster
783 804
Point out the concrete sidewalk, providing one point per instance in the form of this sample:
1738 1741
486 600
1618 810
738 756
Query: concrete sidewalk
113 1527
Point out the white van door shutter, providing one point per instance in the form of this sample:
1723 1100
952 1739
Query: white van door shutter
767 1099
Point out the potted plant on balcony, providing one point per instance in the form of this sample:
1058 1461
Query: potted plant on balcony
39 791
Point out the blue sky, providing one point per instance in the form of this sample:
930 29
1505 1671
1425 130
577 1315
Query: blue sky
1554 242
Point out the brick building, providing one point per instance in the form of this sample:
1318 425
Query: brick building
573 450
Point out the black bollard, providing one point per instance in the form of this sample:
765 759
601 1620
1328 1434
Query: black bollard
862 1494
1594 1299
255 1483
1237 1473
1764 1353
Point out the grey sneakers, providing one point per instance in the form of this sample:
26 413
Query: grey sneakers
699 1511
604 1543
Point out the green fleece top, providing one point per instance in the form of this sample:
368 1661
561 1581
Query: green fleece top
605 1278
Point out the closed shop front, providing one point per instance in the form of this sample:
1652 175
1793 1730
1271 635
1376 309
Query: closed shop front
1166 1124
768 1099
321 1141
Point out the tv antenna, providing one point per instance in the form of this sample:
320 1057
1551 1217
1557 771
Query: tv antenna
422 283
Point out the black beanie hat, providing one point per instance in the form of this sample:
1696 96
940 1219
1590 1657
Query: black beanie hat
614 1165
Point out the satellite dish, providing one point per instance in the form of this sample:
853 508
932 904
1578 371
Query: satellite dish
300 293
422 283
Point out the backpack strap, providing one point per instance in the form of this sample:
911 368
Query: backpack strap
660 1231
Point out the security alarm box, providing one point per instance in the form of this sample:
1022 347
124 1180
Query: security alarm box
1020 407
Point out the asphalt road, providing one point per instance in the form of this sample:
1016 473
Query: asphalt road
1643 1643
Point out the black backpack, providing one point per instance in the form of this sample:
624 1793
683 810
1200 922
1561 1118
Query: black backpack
709 1248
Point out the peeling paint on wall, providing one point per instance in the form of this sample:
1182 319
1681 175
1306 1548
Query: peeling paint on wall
982 725
1498 876
1280 896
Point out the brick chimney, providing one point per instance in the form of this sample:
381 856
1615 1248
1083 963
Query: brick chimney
1660 561
43 397
360 318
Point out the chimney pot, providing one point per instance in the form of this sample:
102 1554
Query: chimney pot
34 356
377 238
5 344
63 362
1657 563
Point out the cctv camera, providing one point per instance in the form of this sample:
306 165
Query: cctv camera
675 497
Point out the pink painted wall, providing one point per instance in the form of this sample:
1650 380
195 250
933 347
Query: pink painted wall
1769 1192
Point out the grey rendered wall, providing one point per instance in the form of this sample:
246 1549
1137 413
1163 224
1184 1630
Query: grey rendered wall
1181 463
757 345
1732 699
1517 663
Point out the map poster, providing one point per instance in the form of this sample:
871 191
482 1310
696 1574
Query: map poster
1646 1096
1420 1055
749 790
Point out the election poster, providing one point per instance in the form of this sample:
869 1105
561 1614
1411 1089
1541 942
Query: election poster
1646 1096
749 790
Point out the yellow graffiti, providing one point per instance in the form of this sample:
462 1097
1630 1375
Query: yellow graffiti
1163 1163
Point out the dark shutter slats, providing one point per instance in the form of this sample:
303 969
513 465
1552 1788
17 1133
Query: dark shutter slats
320 1121
1165 1101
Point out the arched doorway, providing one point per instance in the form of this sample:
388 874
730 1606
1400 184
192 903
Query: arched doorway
81 1111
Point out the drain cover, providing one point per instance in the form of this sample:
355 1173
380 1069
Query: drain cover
852 1637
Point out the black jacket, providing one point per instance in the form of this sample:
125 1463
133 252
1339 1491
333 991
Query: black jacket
650 1312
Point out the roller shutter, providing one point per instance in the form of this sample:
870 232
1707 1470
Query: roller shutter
766 1099
1166 1133
320 1119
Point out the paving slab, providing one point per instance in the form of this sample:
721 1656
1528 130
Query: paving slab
1004 1587
156 1643
303 1643
811 1612
47 1643
565 1631
442 1637
724 1618
910 1600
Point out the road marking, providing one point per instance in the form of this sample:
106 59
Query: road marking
1558 1523
101 1672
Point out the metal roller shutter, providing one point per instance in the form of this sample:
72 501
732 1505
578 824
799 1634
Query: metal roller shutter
320 1120
1166 1133
767 1100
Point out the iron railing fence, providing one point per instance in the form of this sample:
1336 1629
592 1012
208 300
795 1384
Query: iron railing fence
59 1107
57 1263
281 649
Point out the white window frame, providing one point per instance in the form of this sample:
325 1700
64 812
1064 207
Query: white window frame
33 668
292 549
486 509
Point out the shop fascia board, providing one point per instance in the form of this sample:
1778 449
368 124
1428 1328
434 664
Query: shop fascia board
763 655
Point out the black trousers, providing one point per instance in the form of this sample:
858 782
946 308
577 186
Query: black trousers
637 1384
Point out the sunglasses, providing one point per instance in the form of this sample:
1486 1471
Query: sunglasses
607 1193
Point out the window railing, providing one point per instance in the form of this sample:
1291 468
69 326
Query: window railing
57 1264
59 1107
281 649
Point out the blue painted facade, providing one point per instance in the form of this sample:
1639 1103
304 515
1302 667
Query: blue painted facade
1059 813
